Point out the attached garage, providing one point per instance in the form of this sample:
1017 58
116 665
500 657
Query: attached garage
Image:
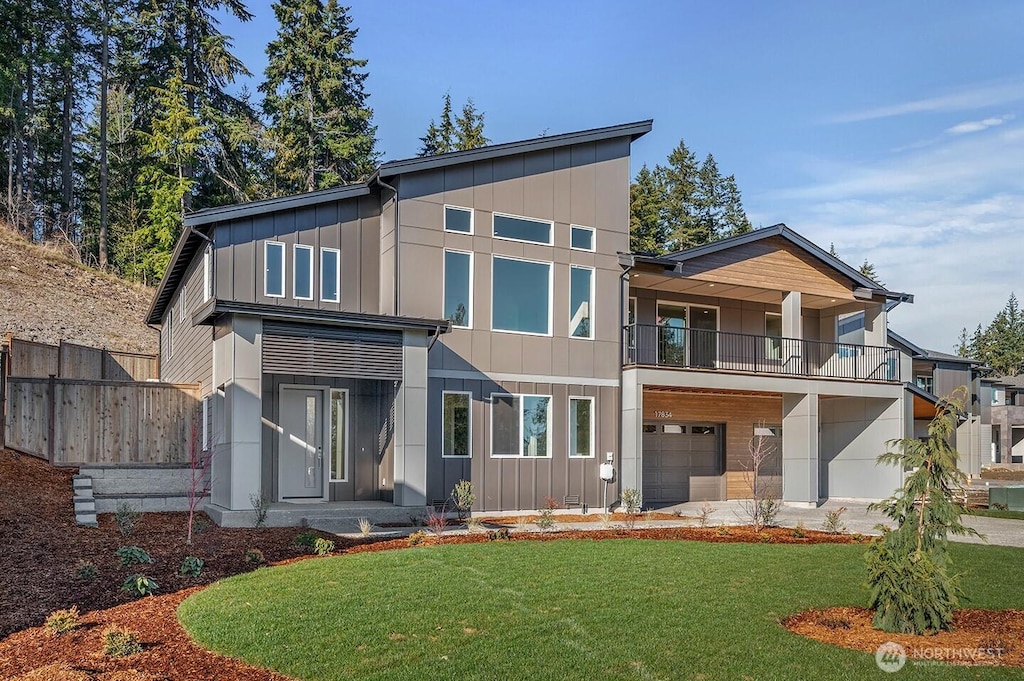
682 462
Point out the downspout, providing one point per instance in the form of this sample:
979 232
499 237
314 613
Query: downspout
437 334
398 270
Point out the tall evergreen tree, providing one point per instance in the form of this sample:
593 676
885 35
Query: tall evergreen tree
868 270
320 125
734 218
465 131
680 179
469 128
1000 344
648 230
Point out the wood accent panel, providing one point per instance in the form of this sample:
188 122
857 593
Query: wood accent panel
738 412
923 409
774 264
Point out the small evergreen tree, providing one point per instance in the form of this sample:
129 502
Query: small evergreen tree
454 133
868 270
909 571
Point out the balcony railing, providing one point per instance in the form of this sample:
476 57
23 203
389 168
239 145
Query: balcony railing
670 346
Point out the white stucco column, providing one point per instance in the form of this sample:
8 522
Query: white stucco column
792 321
630 464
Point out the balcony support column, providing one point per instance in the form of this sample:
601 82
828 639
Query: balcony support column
800 444
792 319
875 325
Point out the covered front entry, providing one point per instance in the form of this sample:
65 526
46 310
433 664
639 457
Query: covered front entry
682 462
302 437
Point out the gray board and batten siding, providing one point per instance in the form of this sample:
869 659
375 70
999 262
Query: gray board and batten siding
186 349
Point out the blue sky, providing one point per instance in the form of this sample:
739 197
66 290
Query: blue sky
893 129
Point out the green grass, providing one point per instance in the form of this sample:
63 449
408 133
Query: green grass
996 513
610 609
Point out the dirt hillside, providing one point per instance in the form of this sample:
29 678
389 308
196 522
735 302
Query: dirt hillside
47 297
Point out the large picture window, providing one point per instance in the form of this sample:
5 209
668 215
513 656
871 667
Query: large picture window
581 426
302 286
521 425
330 275
581 302
456 428
273 269
458 275
522 229
521 296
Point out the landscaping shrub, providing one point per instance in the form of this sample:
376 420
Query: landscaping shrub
260 507
632 502
63 621
473 524
365 527
138 586
322 547
723 531
86 571
133 555
500 534
126 518
120 642
799 531
463 497
306 540
912 587
546 521
417 537
833 522
765 538
192 566
437 520
255 557
704 515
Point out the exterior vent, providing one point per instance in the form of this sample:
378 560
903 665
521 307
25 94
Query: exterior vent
310 350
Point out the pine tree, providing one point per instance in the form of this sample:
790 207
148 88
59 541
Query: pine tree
707 203
832 250
734 218
469 128
648 231
680 178
868 270
320 125
1002 343
465 131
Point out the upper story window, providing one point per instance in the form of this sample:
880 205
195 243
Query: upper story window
924 381
302 273
456 427
523 229
458 276
273 269
581 302
581 238
520 426
207 273
457 219
330 275
521 296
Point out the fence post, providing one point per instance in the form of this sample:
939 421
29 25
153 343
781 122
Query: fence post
3 395
51 426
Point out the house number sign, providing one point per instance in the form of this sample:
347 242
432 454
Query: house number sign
662 414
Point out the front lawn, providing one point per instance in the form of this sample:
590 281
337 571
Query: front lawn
997 513
609 609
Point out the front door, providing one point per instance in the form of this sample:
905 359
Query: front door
301 467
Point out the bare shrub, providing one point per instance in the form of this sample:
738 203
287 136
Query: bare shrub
705 513
763 506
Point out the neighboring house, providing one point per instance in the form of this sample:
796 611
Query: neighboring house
477 315
1006 406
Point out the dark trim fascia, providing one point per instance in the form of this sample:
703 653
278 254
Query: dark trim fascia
306 316
243 210
915 351
921 392
631 260
412 165
175 270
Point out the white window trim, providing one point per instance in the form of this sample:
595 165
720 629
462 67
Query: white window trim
206 424
593 238
182 300
550 223
337 275
519 440
284 268
468 393
472 219
569 424
170 332
345 444
591 303
689 316
295 271
444 284
208 274
551 294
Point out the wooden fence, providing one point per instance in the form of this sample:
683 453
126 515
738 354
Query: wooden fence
28 359
73 421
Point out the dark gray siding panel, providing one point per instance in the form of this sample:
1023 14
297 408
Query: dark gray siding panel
328 351
191 356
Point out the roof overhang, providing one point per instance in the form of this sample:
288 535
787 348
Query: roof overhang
209 312
190 241
251 208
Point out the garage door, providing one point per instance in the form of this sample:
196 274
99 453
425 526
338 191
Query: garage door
682 462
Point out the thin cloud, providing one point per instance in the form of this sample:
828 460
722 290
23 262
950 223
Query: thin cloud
977 126
976 97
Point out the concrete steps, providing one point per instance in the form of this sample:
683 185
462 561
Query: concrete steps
85 502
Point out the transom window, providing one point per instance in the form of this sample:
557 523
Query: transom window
521 296
520 426
457 219
302 271
330 275
581 426
456 427
581 238
581 302
523 229
273 269
458 274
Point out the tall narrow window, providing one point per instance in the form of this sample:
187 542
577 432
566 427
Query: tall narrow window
773 333
458 219
522 229
302 286
581 426
536 430
581 297
273 269
339 439
458 274
521 426
207 273
521 296
455 424
206 423
505 425
581 238
330 275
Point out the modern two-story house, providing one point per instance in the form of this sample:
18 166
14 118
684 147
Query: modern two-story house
477 315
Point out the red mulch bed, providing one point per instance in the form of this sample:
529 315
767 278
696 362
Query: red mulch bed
979 637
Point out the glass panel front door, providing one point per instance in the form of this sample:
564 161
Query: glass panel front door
672 335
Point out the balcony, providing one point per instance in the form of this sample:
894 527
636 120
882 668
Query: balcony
670 346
